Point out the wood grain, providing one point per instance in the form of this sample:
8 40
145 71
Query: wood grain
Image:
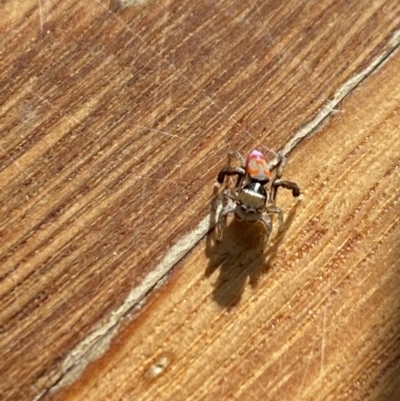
114 122
317 317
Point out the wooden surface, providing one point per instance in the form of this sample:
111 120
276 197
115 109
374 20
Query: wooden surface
114 123
316 317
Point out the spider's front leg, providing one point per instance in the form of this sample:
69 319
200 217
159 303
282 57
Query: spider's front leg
285 184
278 182
228 171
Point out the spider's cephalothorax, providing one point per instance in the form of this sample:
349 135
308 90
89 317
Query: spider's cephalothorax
254 195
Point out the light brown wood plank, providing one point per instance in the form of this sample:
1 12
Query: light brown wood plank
113 125
315 318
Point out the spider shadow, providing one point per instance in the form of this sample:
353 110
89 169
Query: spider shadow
240 258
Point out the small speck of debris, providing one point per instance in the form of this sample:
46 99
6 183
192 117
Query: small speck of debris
157 368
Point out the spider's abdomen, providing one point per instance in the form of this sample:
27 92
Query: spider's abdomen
252 197
256 167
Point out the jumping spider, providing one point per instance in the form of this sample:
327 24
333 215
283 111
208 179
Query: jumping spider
250 199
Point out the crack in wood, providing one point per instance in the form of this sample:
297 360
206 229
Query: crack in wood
94 345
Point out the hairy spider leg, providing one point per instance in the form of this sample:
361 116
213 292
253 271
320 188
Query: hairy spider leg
229 208
236 155
285 184
278 182
273 209
228 171
281 165
266 220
